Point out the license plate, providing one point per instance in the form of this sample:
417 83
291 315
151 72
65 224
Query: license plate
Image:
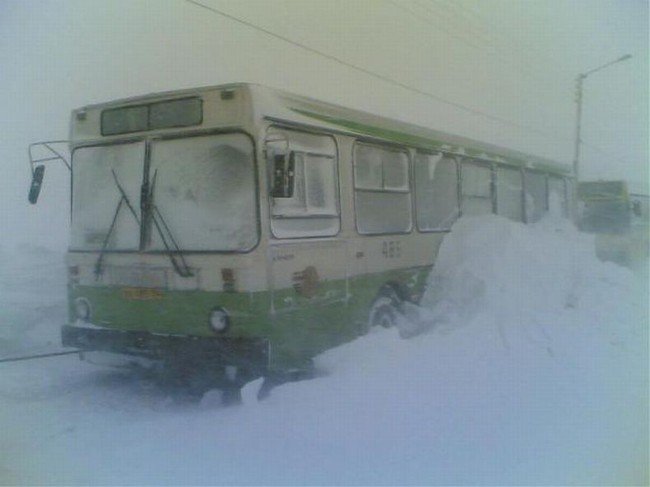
141 293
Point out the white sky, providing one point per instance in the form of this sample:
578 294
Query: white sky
516 60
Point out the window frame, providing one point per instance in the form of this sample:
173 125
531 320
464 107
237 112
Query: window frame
147 139
469 161
268 174
522 192
565 193
148 107
409 191
456 163
150 141
535 172
112 143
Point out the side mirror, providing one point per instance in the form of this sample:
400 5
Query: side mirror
37 181
283 175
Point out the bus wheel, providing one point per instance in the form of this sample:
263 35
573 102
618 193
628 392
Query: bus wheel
231 396
383 313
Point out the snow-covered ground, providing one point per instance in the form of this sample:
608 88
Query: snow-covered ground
534 373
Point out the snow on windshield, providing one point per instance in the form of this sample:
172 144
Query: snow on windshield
95 196
205 191
534 372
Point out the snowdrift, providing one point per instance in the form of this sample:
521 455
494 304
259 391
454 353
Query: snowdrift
32 299
534 372
531 279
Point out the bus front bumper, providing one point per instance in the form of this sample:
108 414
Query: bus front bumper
187 350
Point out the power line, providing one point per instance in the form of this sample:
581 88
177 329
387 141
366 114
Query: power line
456 11
373 74
415 15
491 41
387 79
603 152
497 34
428 16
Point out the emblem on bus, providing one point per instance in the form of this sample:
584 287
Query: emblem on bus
306 282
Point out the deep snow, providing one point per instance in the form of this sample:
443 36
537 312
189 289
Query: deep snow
535 372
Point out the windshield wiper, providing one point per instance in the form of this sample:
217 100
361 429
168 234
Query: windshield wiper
123 199
175 254
100 258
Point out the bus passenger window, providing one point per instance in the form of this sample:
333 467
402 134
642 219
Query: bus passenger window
509 193
382 190
436 192
536 199
303 184
476 183
557 200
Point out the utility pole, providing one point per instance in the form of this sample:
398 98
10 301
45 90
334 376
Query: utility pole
579 82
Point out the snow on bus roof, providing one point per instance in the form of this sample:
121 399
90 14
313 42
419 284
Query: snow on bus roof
288 106
279 105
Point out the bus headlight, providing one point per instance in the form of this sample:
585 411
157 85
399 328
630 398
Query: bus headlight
82 309
219 320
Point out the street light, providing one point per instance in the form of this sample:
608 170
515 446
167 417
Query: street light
579 80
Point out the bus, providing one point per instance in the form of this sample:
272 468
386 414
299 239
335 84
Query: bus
617 218
605 207
236 231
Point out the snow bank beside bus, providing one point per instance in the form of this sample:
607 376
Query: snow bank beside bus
535 372
527 278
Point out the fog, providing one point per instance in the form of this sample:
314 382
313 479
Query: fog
528 360
510 65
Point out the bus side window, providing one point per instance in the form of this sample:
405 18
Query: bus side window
382 189
557 201
476 189
436 192
536 198
303 183
509 193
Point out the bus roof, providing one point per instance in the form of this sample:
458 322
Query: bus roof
284 107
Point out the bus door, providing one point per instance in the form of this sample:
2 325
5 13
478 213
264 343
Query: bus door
307 262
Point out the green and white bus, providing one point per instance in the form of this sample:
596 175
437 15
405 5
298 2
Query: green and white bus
618 219
236 231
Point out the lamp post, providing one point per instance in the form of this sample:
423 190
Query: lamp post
579 81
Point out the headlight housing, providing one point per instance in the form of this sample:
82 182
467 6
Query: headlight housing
82 309
219 320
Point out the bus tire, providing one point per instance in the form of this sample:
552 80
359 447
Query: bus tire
383 313
231 395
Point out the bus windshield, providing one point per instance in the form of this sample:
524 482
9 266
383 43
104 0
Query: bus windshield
203 187
96 196
595 190
605 206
